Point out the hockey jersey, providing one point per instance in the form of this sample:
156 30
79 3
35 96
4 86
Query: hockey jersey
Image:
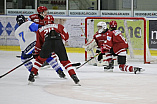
26 35
100 37
45 30
36 18
116 41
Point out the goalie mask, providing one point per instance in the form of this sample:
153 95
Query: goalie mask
102 26
20 19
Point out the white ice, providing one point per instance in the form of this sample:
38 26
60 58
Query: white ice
14 88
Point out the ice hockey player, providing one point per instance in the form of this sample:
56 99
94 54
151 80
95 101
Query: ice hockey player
49 39
26 35
98 39
39 18
117 45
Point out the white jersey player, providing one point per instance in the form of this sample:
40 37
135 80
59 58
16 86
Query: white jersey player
26 35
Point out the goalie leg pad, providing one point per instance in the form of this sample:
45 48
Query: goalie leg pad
121 59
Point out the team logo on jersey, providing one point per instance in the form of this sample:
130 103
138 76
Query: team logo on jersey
108 38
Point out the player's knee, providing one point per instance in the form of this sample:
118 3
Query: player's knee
121 59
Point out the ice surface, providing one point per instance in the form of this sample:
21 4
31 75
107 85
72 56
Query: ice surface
98 87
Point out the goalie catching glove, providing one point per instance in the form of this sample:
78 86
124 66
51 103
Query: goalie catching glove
90 44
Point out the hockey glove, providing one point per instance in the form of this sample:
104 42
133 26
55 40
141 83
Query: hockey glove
35 54
89 45
104 49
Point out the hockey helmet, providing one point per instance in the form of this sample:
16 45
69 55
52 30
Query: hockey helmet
48 19
41 9
20 19
102 26
113 24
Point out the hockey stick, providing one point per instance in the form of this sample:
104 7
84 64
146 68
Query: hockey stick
88 61
18 56
76 64
73 64
15 68
92 48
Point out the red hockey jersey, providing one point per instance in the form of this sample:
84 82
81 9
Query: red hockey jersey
116 41
45 30
100 38
36 18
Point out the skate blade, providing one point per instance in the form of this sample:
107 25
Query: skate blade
29 82
63 78
109 70
138 72
45 67
78 84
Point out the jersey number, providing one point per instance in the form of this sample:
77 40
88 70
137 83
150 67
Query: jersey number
22 35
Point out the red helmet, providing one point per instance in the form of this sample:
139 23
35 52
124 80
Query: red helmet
48 19
113 24
41 9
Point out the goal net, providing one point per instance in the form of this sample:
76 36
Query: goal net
133 29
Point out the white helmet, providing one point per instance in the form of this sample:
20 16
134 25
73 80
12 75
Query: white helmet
103 26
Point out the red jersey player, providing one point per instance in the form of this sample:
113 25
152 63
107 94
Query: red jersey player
39 18
100 36
117 45
98 39
49 39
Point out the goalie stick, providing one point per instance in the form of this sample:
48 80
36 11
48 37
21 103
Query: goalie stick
73 64
88 61
15 68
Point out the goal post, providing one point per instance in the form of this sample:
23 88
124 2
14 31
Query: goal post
133 29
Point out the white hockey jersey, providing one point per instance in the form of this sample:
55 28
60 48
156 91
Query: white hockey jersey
26 35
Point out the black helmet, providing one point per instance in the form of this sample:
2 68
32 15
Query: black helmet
20 19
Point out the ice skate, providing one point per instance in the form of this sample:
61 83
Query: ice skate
110 67
31 77
137 69
61 74
75 79
36 75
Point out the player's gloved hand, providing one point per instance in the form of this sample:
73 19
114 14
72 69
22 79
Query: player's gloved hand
35 54
104 49
98 51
